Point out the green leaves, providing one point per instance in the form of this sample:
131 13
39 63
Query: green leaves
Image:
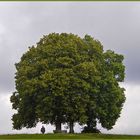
67 79
114 63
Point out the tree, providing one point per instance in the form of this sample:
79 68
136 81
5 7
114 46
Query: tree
67 79
46 75
111 96
106 101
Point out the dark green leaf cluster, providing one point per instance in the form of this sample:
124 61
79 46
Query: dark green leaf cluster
67 79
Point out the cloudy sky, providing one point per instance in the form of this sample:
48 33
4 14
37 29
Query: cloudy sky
115 24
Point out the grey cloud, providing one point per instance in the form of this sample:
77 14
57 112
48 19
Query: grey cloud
116 25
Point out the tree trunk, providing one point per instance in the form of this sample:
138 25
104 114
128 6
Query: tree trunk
71 128
88 124
58 126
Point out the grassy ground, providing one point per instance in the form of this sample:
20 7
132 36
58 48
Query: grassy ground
69 136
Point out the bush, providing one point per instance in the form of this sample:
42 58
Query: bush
90 130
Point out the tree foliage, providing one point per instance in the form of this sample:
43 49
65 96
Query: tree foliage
67 79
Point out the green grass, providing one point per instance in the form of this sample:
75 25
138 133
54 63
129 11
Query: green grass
69 136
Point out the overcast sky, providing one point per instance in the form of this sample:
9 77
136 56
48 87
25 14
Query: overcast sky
115 24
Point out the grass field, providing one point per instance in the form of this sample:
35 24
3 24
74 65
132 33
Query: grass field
69 136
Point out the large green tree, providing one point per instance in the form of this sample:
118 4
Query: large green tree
67 79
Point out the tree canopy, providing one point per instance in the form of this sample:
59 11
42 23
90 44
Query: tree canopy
67 79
